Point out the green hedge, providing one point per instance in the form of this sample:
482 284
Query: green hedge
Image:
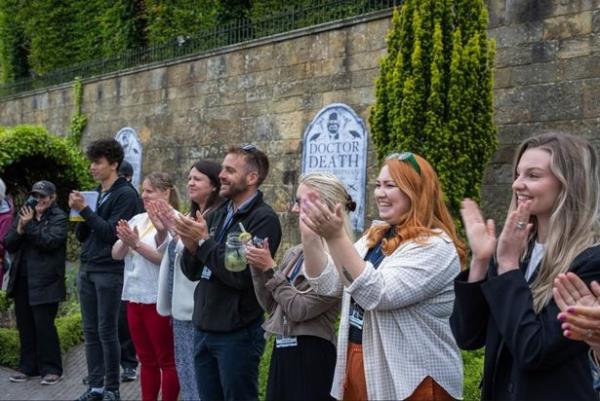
9 347
69 330
30 153
473 362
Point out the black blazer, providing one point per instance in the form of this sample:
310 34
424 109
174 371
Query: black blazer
526 355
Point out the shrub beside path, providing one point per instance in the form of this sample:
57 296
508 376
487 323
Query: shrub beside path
69 388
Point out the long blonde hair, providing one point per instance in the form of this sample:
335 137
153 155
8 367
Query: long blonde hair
331 191
574 224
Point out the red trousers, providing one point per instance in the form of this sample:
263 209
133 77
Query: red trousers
152 336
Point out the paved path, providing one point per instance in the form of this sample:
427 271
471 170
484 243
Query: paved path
70 388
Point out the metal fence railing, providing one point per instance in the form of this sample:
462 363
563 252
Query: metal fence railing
227 34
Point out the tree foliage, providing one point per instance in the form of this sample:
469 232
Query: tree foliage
39 36
30 153
13 43
168 19
42 36
434 92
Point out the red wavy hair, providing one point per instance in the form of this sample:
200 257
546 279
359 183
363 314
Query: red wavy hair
427 212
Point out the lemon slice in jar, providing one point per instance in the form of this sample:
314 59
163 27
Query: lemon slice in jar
245 236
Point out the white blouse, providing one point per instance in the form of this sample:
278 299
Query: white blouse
140 279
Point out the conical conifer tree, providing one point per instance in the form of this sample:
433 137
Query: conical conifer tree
434 92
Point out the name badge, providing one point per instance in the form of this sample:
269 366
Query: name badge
356 316
286 342
206 273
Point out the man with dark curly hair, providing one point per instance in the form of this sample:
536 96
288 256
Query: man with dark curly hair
100 280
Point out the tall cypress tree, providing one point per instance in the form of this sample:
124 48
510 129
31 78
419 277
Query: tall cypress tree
434 92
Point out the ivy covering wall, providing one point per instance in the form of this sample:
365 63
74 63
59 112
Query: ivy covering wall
39 36
42 36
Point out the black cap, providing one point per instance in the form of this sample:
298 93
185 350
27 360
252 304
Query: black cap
44 188
125 169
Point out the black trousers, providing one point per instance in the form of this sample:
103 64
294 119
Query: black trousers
128 358
304 372
40 347
100 300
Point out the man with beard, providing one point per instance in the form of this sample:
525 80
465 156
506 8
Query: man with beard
229 338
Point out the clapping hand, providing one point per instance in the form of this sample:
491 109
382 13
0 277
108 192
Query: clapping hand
159 219
130 237
316 216
167 214
513 239
580 309
191 230
480 234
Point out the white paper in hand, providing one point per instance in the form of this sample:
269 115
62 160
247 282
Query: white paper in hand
91 199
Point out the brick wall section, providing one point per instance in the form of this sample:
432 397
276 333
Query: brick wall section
267 91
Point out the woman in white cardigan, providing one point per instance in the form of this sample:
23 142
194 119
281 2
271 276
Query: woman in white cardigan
394 341
175 291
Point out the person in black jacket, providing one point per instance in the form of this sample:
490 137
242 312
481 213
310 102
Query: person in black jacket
38 241
551 228
100 280
229 340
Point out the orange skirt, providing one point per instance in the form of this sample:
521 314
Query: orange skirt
355 386
429 390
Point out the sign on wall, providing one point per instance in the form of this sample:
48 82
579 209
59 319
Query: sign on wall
132 148
336 142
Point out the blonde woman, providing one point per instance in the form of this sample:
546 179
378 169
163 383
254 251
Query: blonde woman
504 301
302 321
151 333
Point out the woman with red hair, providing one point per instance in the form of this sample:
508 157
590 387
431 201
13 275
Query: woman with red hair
394 340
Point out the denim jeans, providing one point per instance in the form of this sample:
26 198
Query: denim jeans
227 363
100 298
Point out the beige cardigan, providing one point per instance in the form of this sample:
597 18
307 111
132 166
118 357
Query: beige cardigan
294 310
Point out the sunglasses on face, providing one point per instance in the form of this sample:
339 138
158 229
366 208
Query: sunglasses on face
406 157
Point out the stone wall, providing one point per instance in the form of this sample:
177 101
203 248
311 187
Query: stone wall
547 78
267 91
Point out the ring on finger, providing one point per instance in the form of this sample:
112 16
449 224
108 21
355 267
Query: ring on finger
589 334
520 225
